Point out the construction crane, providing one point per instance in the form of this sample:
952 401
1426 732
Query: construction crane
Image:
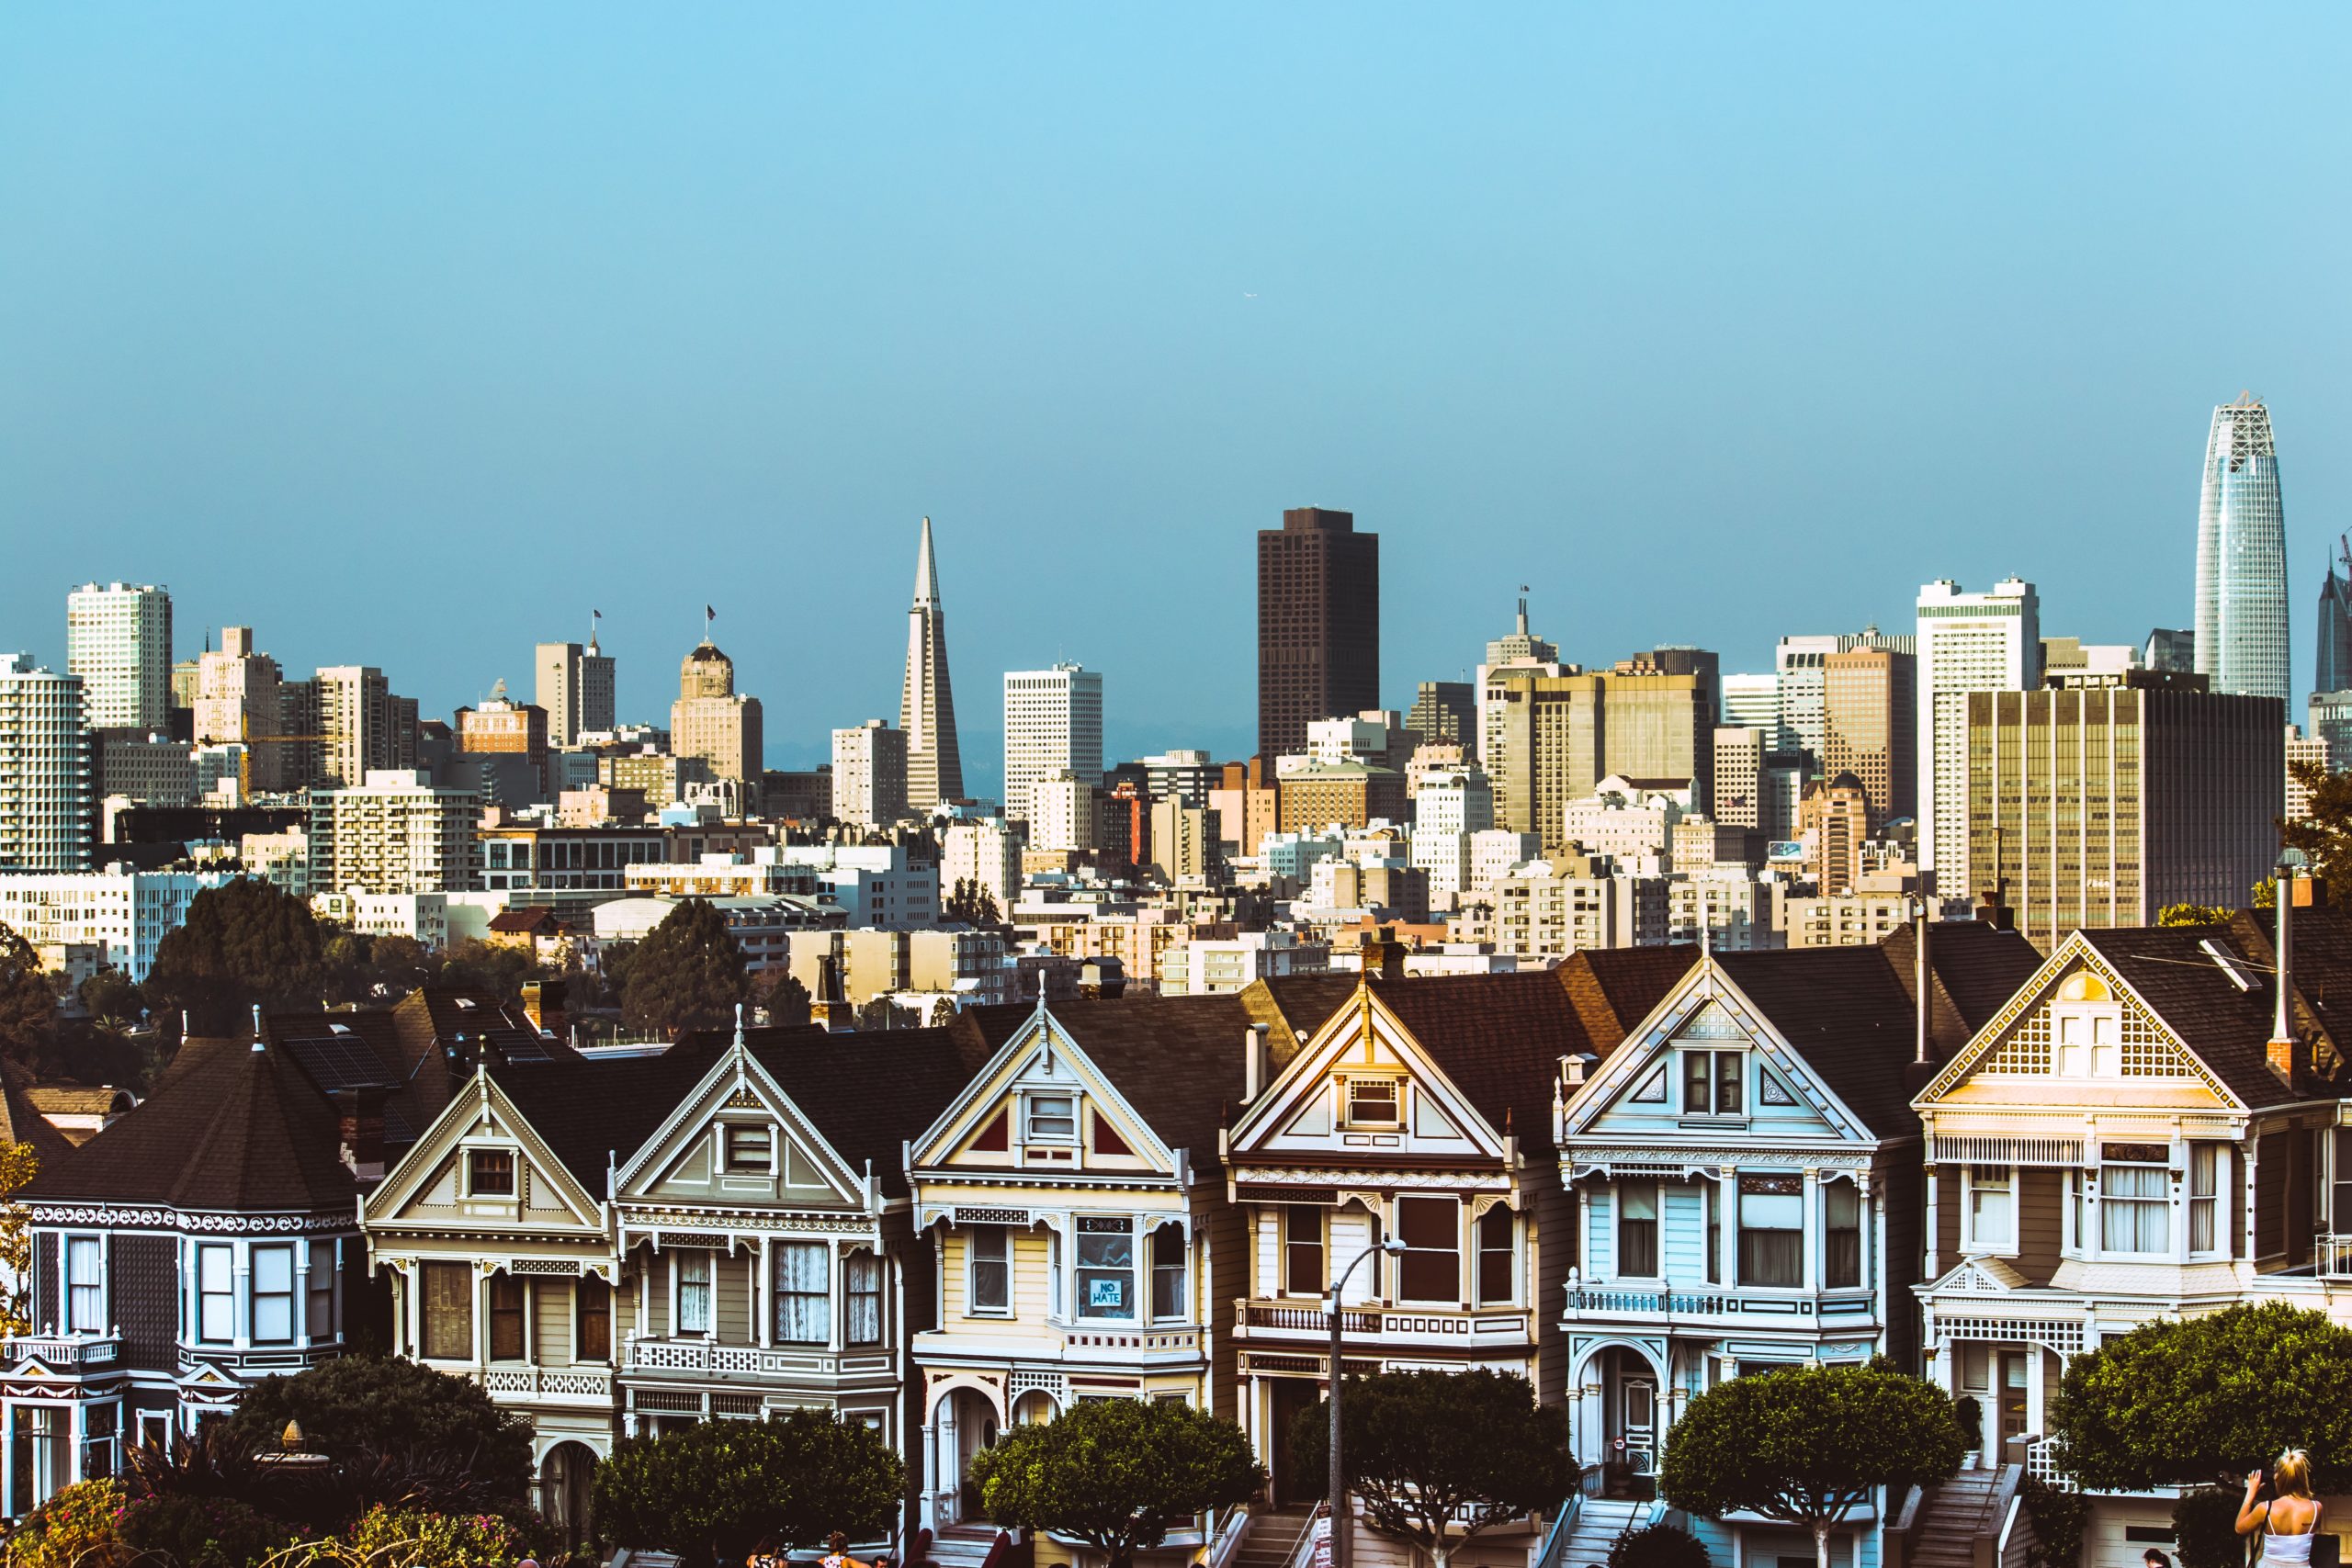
248 740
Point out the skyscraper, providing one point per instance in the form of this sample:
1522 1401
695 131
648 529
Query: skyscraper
118 640
1869 711
1968 642
711 720
1522 650
1446 712
2332 665
870 774
575 688
926 700
2242 636
1318 625
44 769
1053 723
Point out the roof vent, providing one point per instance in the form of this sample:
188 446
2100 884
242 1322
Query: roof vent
2228 963
465 1002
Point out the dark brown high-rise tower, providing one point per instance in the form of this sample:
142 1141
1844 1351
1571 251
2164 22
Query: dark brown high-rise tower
1318 625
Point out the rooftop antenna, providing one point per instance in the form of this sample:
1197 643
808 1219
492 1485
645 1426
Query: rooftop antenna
1522 609
708 616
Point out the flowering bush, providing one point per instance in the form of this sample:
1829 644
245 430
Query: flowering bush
78 1527
386 1537
203 1533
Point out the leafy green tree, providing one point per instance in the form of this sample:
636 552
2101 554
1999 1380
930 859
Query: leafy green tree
1789 1445
2190 1401
1116 1474
500 968
27 1006
2058 1516
710 1492
1438 1457
111 998
243 943
686 974
357 1408
2205 1528
1657 1546
2324 834
971 903
2192 915
785 997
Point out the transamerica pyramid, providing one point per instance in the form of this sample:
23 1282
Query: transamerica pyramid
927 703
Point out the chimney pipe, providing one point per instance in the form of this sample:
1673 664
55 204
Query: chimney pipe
2281 1050
1253 1063
1927 973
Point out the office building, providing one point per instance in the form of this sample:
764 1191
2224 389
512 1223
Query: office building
1188 775
394 832
1548 910
1554 738
655 777
1064 817
142 767
1521 649
1870 710
2241 635
125 915
45 805
2303 751
118 640
926 697
1318 625
2332 658
1446 713
986 853
1053 723
1740 750
1835 821
240 700
1753 702
1800 665
2103 799
870 774
711 721
1184 841
880 885
575 686
362 726
2170 649
1354 794
1968 642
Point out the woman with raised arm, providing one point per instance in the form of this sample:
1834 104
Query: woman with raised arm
2289 1519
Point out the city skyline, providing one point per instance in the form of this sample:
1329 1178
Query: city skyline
1539 408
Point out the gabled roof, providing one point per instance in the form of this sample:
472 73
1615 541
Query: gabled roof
416 1039
1850 1011
523 923
230 1128
21 1121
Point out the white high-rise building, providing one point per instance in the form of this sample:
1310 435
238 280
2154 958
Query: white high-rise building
1753 702
1053 723
2242 638
394 832
1061 813
575 687
1450 808
986 853
870 774
118 640
125 913
44 769
1968 642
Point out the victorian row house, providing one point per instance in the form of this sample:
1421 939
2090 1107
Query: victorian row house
2152 1124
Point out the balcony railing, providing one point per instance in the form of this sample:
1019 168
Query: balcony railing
701 1357
1724 1305
62 1351
1270 1320
2332 1254
551 1382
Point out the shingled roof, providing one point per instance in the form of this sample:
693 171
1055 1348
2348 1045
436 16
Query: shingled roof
1850 1014
417 1040
231 1128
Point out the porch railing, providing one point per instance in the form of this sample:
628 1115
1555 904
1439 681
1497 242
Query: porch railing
556 1382
67 1349
2332 1254
1309 1320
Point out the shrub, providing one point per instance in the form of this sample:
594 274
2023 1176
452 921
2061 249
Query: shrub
2058 1516
2205 1529
78 1527
203 1533
1657 1546
387 1537
1970 1416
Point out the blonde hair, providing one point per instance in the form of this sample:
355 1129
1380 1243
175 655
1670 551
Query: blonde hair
2293 1472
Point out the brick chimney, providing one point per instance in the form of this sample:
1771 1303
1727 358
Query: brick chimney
831 1006
360 1114
543 1002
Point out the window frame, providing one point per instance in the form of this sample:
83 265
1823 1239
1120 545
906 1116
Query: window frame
820 1330
703 1261
476 1157
225 1294
510 1308
729 1161
432 1320
862 1299
1425 1255
1174 1273
1104 1232
1502 1261
1031 1116
1972 1180
1841 1192
1295 1247
90 1293
976 1259
1631 1229
278 1298
2208 1161
2139 1204
1394 1099
592 1303
317 1303
1722 1075
1752 1274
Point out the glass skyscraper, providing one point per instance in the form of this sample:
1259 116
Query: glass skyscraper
2241 557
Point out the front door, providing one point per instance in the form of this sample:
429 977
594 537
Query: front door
1638 1423
2013 1400
1291 1397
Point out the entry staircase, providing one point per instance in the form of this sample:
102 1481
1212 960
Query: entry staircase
1593 1528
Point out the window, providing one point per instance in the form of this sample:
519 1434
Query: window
1992 1207
1714 1200
1771 1230
1303 1250
1637 1230
215 1293
1497 1279
595 1303
2133 1187
506 1301
1430 1269
862 1275
1372 1102
85 1295
1106 1267
273 1295
449 1312
2204 1195
1053 1119
1168 1272
489 1173
991 1253
1842 1232
319 1312
2340 1184
803 1293
693 1291
748 1147
1711 1083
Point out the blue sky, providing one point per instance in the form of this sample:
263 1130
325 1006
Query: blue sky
410 333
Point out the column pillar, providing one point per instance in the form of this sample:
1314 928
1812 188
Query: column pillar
2034 1373
836 1298
929 1505
241 1281
76 1435
1811 1228
1728 1211
481 1316
302 1293
764 1294
1935 1196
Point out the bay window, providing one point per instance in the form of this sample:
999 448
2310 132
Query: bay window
273 1295
989 1250
1841 1236
1430 1269
85 1291
1991 1214
803 1293
1497 1271
449 1310
1771 1230
1302 1249
694 1291
861 1281
2135 1187
1637 1230
1168 1272
1106 1266
215 1293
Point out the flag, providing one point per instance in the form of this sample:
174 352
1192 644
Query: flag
597 613
708 613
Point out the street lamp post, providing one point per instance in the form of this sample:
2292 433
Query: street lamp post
1339 1493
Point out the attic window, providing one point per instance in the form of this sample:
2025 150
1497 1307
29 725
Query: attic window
747 1146
1372 1102
489 1173
1052 1118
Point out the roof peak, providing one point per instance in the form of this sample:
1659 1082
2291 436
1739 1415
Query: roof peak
926 572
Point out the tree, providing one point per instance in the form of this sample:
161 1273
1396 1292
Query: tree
1116 1474
2189 1400
686 974
111 998
18 1164
27 1006
359 1407
1438 1457
2192 915
1787 1445
244 942
2324 832
787 999
971 903
710 1492
1660 1545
